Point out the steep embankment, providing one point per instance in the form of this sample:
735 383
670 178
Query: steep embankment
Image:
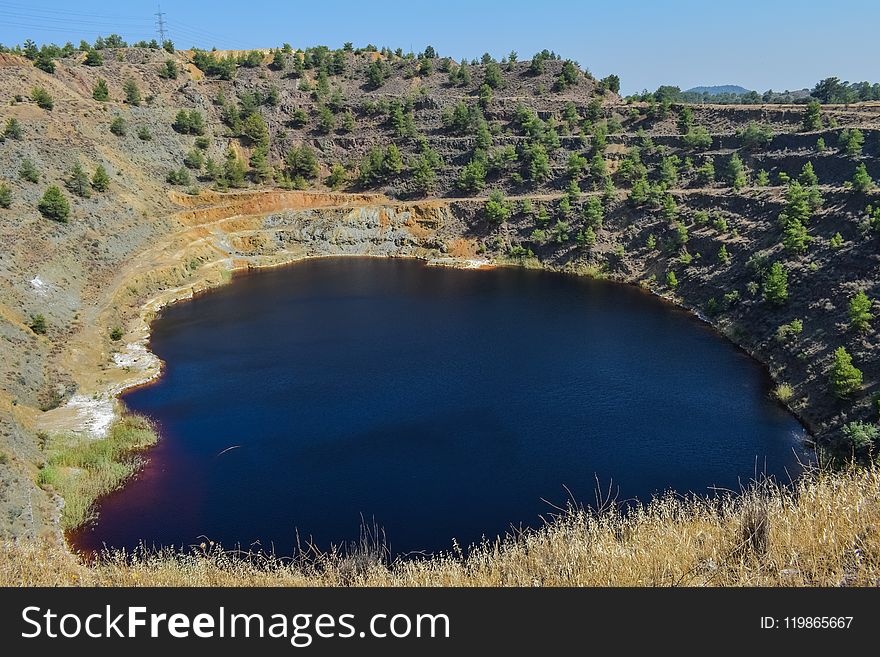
569 161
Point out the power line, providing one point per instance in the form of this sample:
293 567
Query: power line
160 24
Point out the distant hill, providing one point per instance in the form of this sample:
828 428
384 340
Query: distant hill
717 90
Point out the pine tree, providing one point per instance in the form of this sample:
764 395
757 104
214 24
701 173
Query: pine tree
28 171
393 160
861 181
775 286
736 172
337 176
261 171
53 205
845 377
94 58
100 180
78 182
132 92
813 117
860 314
101 92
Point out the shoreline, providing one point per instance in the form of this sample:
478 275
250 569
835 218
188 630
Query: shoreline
134 365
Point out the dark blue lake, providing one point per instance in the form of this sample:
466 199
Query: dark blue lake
440 403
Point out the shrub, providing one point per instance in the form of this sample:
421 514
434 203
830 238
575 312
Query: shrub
337 176
697 138
118 126
860 438
851 141
169 71
860 314
845 377
298 118
94 58
812 116
256 130
101 92
178 176
189 122
472 177
116 333
144 133
12 129
791 330
101 181
42 98
861 181
53 205
29 171
497 208
775 285
784 392
78 182
706 173
836 241
755 135
376 74
736 172
493 75
132 92
194 159
302 162
38 324
326 120
5 196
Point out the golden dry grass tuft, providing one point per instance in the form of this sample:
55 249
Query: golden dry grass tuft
823 530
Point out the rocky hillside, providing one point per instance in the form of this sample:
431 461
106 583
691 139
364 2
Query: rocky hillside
760 218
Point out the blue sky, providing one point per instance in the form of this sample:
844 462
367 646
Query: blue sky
763 44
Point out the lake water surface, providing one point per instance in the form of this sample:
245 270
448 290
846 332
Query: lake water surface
438 403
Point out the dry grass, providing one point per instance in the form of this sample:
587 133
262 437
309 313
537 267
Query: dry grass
822 531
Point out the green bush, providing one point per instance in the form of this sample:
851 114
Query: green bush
38 324
813 116
12 129
101 92
42 98
860 314
118 126
5 196
860 438
189 122
755 135
497 208
132 92
775 285
178 176
845 377
78 182
861 181
53 205
100 180
94 58
28 171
